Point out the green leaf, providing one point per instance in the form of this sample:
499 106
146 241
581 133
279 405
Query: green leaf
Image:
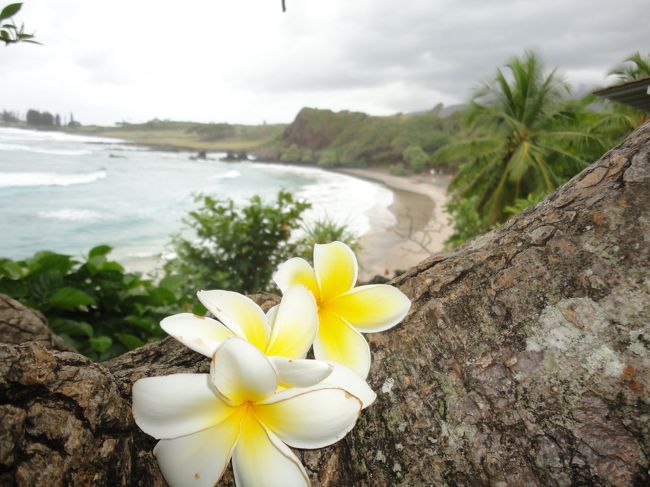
146 324
101 344
11 269
161 296
10 10
96 263
70 298
99 250
41 285
71 328
173 283
113 266
52 262
129 341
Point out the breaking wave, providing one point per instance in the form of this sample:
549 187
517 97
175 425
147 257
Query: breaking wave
71 214
16 179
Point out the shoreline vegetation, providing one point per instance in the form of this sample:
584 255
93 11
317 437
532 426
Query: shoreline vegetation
352 143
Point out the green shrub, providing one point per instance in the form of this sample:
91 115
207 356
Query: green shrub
466 221
416 158
291 154
307 155
235 248
322 231
520 204
398 170
328 158
95 305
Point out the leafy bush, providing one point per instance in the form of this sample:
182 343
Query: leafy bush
416 157
466 220
324 231
307 155
397 170
520 204
235 248
328 158
291 154
95 305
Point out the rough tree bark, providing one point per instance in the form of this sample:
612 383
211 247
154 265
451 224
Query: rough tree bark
524 361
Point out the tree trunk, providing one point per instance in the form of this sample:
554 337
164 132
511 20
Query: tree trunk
524 361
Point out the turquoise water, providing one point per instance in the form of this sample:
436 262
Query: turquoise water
68 193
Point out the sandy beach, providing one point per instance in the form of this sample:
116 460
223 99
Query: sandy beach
421 228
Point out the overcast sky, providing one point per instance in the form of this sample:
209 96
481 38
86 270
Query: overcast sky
245 61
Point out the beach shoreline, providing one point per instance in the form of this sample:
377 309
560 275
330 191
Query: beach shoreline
421 222
419 228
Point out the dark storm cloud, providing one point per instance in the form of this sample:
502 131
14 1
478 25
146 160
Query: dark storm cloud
450 47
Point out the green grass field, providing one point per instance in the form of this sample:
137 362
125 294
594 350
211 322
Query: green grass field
190 135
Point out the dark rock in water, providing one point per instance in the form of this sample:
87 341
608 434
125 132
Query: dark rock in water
235 156
114 156
200 156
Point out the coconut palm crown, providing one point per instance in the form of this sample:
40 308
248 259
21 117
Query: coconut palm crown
524 136
632 68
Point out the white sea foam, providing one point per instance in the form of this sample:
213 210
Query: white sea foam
358 204
71 214
7 133
226 175
347 200
58 152
14 179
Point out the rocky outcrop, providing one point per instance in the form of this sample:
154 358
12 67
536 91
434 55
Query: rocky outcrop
316 129
19 324
525 360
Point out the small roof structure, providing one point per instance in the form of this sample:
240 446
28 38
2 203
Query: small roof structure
635 93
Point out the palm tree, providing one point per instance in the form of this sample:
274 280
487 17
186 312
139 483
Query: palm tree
525 138
632 68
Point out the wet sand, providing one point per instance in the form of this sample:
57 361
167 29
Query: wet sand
421 227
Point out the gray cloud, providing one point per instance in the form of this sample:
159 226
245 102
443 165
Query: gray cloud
451 46
246 61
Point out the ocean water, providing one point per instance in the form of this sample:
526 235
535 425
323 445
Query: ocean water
67 193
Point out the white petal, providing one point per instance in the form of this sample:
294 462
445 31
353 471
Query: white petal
260 459
271 314
345 378
240 372
310 419
239 313
296 271
175 405
198 459
339 342
295 325
336 269
300 372
198 333
371 308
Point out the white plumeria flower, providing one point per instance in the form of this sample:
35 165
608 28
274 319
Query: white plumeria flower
202 420
284 335
343 310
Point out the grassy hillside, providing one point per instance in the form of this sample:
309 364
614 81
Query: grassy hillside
403 142
192 135
356 139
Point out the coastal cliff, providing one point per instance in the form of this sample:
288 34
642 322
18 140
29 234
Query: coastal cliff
525 360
